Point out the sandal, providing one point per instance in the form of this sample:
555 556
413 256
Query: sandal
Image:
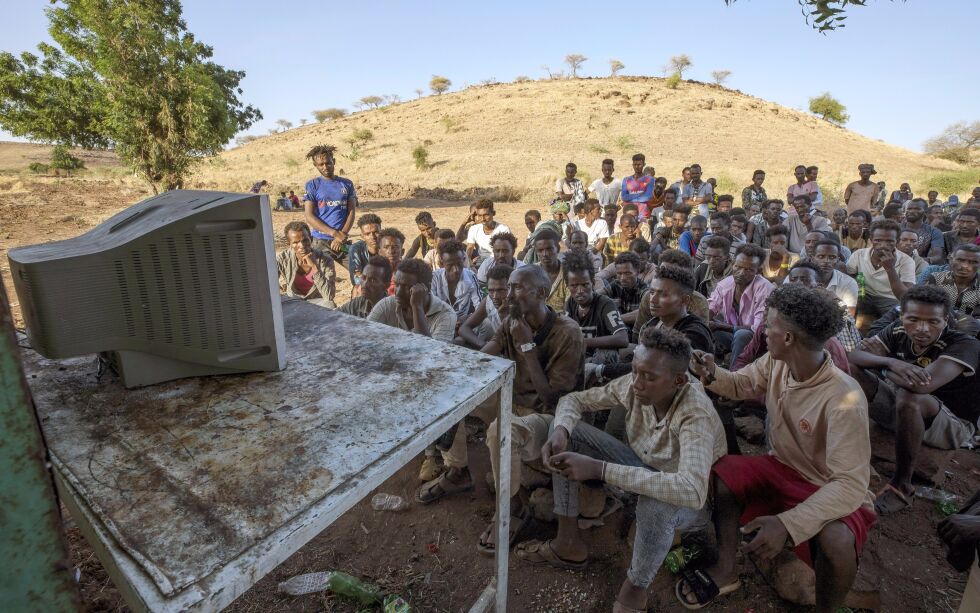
488 547
541 552
703 587
442 487
891 500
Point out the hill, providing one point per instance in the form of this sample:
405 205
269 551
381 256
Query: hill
517 137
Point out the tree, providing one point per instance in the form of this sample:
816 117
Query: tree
720 75
329 114
418 93
615 66
62 159
439 84
824 15
127 75
284 124
392 98
371 101
829 109
421 156
521 78
680 63
303 121
575 61
246 139
959 142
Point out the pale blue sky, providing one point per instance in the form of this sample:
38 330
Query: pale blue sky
903 69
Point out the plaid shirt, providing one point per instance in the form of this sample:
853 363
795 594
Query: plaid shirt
965 302
679 449
614 246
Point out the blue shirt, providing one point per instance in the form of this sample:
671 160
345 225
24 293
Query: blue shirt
331 198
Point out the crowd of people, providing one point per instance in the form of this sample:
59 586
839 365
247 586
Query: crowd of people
644 314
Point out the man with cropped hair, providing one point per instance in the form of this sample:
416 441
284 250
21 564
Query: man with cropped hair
607 188
886 272
426 239
480 327
391 244
375 279
602 326
638 188
502 247
627 288
484 228
454 283
716 266
738 302
362 250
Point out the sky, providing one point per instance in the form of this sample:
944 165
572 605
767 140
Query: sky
900 67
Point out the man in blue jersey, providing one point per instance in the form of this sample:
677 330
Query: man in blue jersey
329 203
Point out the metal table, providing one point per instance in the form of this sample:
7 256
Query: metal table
191 491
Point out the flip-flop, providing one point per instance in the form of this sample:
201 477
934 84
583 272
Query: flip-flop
440 488
703 587
541 553
891 500
517 522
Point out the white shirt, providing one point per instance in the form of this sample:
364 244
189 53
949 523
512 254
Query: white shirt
598 231
487 264
845 288
606 194
477 236
876 281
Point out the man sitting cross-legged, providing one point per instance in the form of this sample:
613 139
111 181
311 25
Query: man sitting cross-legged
627 288
811 489
674 436
480 327
738 302
375 279
547 347
927 393
602 325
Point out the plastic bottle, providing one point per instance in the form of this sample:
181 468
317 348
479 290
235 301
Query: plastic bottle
862 292
680 557
337 582
388 502
946 502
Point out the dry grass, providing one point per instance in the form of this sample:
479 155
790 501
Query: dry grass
520 135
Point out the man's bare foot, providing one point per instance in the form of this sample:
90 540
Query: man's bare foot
721 577
632 596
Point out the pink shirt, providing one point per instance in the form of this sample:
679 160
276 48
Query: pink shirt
807 189
752 306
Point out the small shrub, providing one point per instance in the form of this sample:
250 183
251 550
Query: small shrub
598 149
624 143
38 168
62 159
507 193
720 76
521 79
363 135
291 163
450 124
829 109
421 156
680 63
674 80
954 182
355 151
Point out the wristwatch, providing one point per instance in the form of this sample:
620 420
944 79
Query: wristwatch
527 347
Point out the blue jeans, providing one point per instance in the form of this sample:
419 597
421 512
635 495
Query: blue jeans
656 520
735 342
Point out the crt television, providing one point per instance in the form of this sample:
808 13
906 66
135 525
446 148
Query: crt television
179 285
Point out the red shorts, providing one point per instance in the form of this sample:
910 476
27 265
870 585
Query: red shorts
766 486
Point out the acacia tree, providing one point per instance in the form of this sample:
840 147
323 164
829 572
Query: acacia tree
126 74
959 142
371 101
439 84
418 93
680 63
720 76
575 61
829 108
329 114
285 124
615 66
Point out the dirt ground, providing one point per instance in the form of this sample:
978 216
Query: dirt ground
391 549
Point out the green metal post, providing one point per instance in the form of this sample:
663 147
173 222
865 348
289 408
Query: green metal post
35 573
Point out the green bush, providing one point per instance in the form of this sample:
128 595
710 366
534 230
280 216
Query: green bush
38 168
421 156
954 182
829 109
451 124
624 143
62 159
363 135
674 80
598 149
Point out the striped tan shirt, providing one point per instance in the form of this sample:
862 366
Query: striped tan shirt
680 448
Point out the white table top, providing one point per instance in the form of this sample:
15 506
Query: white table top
197 488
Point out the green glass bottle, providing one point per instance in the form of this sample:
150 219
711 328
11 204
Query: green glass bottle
862 286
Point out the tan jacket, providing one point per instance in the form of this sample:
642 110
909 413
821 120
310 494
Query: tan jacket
324 287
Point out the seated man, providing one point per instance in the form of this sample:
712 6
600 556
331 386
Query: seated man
738 303
811 489
918 375
557 225
547 347
647 270
594 227
620 241
627 289
502 246
908 242
362 250
718 225
479 234
716 266
413 307
432 255
426 239
391 244
283 203
602 326
546 245
779 259
807 275
669 235
674 438
886 272
691 238
962 284
454 283
305 272
480 327
375 279
803 219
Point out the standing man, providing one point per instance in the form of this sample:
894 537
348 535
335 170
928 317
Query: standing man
697 193
478 246
329 203
738 303
811 177
607 189
755 193
638 188
802 187
862 194
805 220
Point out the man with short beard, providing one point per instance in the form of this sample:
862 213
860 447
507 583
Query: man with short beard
772 215
362 250
502 246
480 327
930 240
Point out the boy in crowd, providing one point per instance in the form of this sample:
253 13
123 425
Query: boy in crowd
918 376
375 279
602 326
620 241
478 247
812 488
594 226
426 239
607 188
370 227
391 244
480 327
627 288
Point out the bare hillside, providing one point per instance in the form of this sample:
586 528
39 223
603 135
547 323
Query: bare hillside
520 135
